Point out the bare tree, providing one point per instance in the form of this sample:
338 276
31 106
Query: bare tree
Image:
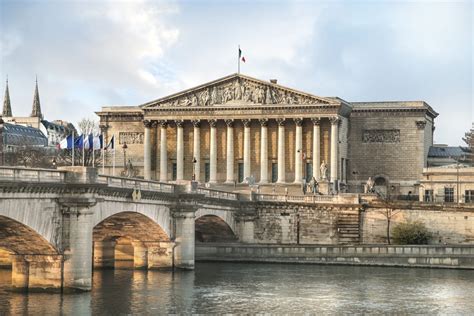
469 140
88 126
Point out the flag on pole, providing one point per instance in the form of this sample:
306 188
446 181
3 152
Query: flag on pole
66 143
97 142
111 144
240 55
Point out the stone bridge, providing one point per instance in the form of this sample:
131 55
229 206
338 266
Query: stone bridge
56 225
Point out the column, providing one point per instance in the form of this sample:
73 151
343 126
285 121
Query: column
230 151
184 220
213 152
334 147
298 150
179 150
104 254
197 150
281 151
316 148
147 150
246 148
163 152
264 151
160 254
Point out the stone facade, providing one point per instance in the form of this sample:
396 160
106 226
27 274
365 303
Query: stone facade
238 126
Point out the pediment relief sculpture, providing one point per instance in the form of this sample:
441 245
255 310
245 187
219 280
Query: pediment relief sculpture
238 91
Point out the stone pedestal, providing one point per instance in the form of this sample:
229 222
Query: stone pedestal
140 255
324 187
104 254
160 255
45 272
20 272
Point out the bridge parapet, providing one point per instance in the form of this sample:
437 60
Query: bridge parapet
312 199
19 174
218 194
146 185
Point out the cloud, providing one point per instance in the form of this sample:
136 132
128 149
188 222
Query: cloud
94 53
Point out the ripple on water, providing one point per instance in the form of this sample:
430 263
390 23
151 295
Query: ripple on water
257 288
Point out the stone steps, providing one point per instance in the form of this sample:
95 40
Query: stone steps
348 227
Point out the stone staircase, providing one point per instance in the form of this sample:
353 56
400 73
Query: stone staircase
348 221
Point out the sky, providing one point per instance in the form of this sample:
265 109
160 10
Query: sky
89 54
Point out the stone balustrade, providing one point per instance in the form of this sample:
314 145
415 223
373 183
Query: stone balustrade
336 199
18 174
218 194
147 185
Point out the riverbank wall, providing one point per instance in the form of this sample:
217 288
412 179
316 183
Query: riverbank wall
429 256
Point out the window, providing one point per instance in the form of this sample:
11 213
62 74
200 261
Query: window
240 169
428 197
274 172
174 173
469 196
207 172
449 195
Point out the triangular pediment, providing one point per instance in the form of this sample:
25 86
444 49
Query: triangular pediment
236 90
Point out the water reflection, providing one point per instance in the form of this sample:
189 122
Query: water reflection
253 288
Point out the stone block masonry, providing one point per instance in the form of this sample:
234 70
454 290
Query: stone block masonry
452 257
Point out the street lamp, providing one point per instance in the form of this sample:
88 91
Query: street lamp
124 147
194 168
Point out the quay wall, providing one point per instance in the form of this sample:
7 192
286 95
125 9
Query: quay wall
429 256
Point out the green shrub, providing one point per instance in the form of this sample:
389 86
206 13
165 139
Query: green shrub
411 233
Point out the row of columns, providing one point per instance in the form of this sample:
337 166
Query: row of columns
230 176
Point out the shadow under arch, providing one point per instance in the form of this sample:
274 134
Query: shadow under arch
131 225
22 239
212 228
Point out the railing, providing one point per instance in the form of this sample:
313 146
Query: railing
18 174
297 198
217 194
148 185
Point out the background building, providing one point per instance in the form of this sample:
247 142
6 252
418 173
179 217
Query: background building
237 127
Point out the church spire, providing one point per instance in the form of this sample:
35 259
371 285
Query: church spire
36 111
7 107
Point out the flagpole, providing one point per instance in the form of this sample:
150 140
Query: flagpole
83 151
93 153
73 148
103 154
113 160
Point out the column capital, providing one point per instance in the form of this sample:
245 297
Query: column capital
149 123
263 122
229 122
163 124
298 121
334 120
179 123
281 121
316 121
246 122
212 122
196 123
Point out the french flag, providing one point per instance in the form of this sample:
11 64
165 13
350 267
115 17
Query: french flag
66 143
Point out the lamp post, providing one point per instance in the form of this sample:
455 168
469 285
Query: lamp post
124 147
457 181
194 168
303 165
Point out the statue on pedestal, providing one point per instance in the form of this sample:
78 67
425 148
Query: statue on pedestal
324 171
369 186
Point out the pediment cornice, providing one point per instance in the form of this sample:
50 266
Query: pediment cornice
237 90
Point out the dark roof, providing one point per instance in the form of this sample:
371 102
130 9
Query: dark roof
52 125
19 135
446 152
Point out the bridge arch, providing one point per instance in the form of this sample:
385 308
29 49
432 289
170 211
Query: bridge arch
214 226
159 214
22 239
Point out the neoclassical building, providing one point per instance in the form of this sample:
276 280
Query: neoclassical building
237 127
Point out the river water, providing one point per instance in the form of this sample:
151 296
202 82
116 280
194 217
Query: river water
257 288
